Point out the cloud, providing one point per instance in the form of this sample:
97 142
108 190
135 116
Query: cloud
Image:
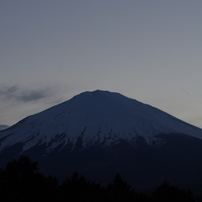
33 95
24 95
7 92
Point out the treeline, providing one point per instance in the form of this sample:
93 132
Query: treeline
21 181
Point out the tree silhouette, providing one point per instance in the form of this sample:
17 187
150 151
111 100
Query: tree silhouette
167 193
21 181
78 188
120 190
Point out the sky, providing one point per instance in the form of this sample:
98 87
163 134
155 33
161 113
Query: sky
148 50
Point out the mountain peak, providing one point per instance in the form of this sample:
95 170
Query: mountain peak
98 94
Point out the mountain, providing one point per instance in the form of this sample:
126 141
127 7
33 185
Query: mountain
101 133
3 127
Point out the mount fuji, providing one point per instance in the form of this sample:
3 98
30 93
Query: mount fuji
101 133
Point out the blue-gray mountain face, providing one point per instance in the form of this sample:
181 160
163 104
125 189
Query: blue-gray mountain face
101 133
3 127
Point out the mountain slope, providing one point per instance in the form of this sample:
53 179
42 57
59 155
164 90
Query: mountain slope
3 127
101 133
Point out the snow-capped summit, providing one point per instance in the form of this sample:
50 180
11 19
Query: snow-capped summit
99 117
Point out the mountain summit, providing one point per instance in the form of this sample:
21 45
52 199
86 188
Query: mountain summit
93 132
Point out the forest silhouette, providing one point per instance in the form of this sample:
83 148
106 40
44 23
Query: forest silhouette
21 181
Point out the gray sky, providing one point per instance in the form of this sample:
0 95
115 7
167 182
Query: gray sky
149 50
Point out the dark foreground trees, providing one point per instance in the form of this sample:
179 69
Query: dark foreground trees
21 181
78 188
167 193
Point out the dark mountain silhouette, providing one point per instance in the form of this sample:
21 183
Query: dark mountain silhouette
100 134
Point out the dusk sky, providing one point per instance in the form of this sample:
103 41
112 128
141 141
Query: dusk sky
148 50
